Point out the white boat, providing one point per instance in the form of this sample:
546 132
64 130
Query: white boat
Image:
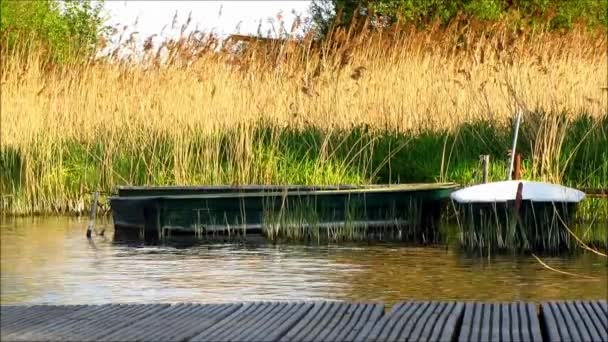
505 191
515 214
497 192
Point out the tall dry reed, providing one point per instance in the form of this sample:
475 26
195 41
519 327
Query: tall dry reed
388 81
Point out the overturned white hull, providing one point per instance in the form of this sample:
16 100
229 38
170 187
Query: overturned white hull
507 191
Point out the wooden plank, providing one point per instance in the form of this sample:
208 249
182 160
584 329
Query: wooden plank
178 322
467 322
256 327
184 329
383 325
276 331
21 319
483 323
87 324
308 327
445 327
552 326
416 321
12 313
233 319
576 320
500 322
357 317
97 328
311 332
413 322
346 324
472 322
496 323
515 324
449 329
579 321
521 319
571 326
428 322
395 321
44 327
600 318
507 326
341 317
260 321
316 312
333 321
238 321
313 321
534 326
367 320
146 325
341 313
26 315
434 326
591 330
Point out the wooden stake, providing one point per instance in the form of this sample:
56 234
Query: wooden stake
517 167
485 160
93 213
519 197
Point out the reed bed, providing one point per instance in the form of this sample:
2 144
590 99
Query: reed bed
535 227
381 106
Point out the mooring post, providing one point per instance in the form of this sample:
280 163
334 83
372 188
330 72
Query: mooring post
485 161
519 198
517 167
93 213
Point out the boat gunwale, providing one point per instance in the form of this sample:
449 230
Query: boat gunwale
240 187
413 187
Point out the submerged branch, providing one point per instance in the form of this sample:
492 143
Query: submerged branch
562 272
582 244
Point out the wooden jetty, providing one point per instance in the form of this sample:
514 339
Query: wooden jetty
153 213
309 321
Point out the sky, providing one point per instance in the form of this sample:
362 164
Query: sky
221 17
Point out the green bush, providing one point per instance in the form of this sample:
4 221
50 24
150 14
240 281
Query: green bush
554 14
66 30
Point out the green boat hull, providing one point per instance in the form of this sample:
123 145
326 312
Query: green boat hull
154 214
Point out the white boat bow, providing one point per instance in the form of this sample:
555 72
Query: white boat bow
507 191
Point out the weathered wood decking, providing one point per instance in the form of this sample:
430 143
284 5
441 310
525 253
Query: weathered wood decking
308 321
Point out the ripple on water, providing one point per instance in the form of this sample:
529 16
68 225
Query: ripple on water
48 260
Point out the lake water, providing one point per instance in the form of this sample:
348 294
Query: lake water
49 260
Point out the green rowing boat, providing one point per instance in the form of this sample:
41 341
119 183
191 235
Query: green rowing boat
155 213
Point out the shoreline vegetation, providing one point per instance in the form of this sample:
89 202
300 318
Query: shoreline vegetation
394 105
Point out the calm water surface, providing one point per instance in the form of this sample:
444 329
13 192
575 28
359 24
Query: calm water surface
49 260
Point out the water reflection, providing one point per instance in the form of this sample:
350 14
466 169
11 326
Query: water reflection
48 260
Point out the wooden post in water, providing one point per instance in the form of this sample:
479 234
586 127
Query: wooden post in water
485 161
93 213
517 167
519 198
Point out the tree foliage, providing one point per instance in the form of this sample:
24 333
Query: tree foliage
66 29
554 14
